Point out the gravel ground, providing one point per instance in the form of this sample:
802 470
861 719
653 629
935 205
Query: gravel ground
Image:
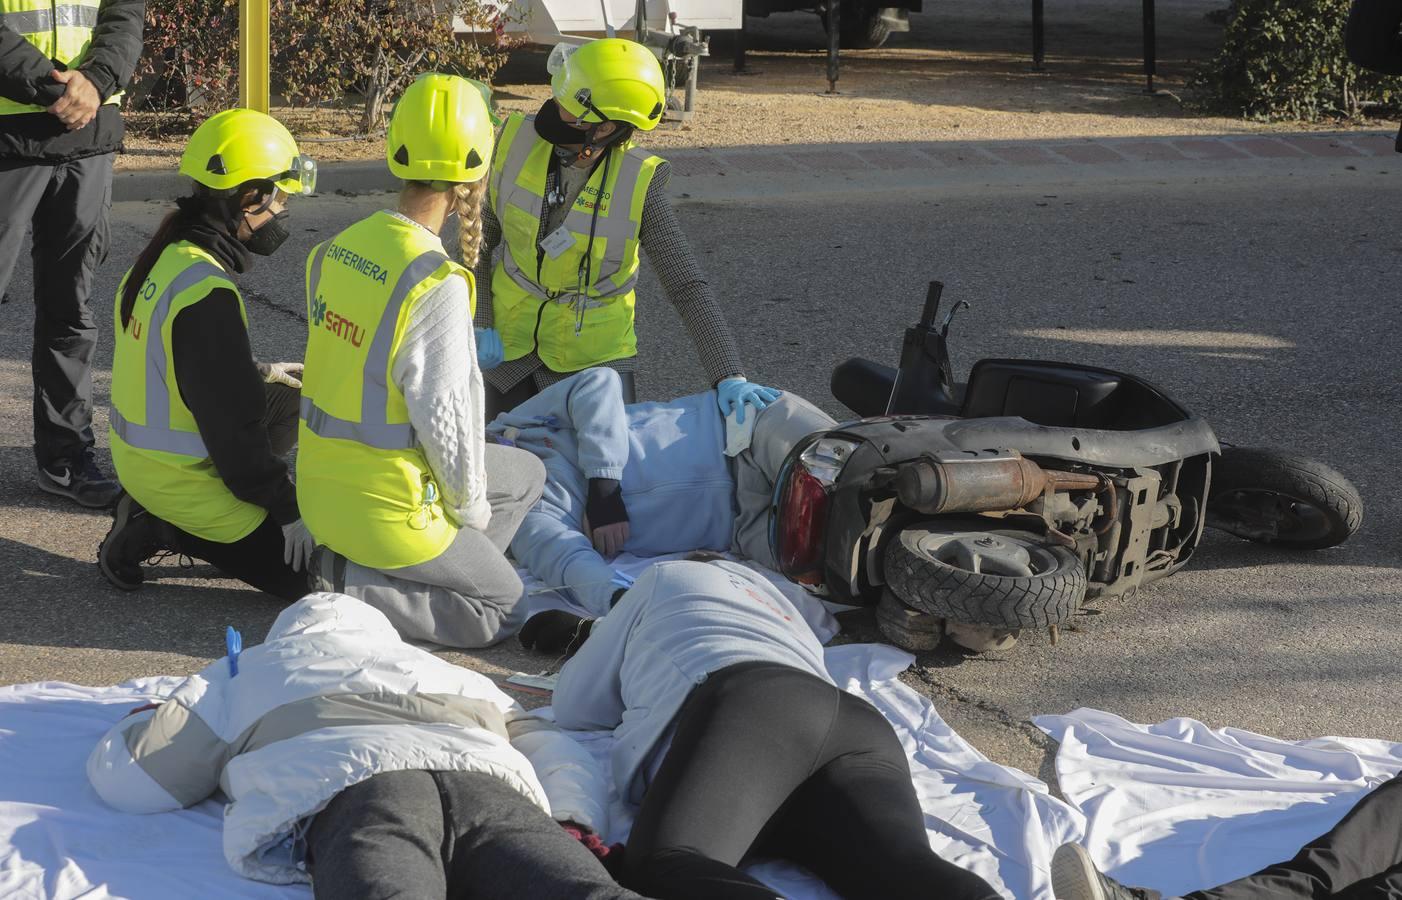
962 73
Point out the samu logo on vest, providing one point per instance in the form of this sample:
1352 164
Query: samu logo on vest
336 323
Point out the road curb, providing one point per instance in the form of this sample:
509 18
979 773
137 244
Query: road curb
810 169
332 178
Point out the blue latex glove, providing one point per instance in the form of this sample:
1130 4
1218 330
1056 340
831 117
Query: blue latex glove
490 351
733 393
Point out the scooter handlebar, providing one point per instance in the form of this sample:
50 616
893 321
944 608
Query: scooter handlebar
932 304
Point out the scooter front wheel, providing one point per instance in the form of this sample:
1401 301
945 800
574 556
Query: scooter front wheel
1282 499
1005 579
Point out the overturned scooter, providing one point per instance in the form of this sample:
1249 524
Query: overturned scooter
1004 504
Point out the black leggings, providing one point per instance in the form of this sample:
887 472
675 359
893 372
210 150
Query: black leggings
1359 858
256 558
770 761
504 401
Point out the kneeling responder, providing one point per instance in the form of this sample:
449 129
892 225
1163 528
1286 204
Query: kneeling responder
198 427
574 201
393 473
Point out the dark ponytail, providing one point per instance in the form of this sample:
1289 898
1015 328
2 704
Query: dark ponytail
136 277
189 210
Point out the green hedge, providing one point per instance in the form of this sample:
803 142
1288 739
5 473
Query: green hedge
339 52
1285 59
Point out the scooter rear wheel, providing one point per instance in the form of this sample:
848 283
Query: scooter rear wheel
1004 579
1282 499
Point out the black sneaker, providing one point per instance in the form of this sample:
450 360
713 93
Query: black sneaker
135 537
81 482
1075 877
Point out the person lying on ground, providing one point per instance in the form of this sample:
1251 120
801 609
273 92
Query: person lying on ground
413 509
1360 858
365 766
646 478
731 735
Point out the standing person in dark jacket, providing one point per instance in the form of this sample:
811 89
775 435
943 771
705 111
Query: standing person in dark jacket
1373 38
63 64
198 427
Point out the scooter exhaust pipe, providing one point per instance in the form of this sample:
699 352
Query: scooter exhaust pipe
953 483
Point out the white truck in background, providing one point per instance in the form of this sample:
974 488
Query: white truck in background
672 28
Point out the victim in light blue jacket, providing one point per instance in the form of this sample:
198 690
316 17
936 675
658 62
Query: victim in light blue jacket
681 622
669 458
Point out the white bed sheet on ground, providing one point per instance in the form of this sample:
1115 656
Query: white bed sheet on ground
817 613
1181 807
58 840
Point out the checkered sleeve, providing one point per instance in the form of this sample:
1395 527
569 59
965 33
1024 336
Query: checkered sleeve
686 286
491 238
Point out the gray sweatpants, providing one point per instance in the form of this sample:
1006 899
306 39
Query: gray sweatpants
470 594
781 425
451 835
66 204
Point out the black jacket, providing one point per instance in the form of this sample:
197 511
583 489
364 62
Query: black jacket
219 381
1373 41
24 76
1371 36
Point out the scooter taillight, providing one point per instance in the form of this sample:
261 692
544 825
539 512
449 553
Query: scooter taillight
803 518
800 524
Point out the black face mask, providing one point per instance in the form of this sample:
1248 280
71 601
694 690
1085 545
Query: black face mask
552 128
271 236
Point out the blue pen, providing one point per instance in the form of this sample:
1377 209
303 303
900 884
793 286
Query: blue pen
621 579
233 643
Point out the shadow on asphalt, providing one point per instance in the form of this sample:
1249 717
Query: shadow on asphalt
1222 552
56 601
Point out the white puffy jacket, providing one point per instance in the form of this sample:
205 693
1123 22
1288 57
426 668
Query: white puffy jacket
332 697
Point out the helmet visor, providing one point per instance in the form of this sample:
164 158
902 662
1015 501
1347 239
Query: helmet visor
302 174
558 54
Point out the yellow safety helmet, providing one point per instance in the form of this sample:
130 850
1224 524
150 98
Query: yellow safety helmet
440 130
237 146
611 79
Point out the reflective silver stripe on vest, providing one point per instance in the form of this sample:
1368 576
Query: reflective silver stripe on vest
144 437
75 15
38 21
617 227
374 429
381 436
157 434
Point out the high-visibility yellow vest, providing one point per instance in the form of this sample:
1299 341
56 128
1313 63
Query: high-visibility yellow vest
156 446
363 485
575 309
60 31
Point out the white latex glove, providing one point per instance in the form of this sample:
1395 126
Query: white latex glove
297 545
287 373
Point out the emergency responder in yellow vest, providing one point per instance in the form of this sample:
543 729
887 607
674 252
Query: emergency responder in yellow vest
572 202
413 509
198 427
63 64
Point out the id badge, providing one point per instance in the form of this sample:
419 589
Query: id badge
557 242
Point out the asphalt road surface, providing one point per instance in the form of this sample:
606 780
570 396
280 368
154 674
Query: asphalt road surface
1262 298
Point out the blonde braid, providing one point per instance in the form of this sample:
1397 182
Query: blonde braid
469 209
